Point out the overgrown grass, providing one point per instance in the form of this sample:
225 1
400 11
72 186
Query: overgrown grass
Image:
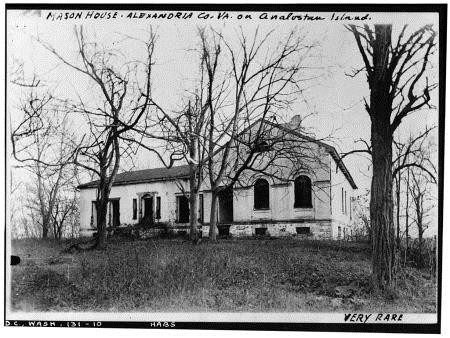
231 275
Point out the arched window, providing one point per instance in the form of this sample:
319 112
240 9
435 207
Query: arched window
302 192
261 194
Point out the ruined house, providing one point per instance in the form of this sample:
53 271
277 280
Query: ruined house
311 200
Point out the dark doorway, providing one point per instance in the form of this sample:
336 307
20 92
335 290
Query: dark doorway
148 209
183 209
226 206
115 210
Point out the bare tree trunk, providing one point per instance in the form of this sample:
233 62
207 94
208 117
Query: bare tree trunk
193 186
44 228
397 193
381 202
213 215
193 212
392 72
102 211
381 213
381 207
407 212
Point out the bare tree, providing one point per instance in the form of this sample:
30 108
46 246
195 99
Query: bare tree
258 81
239 86
183 137
410 154
361 214
398 83
40 146
422 203
124 88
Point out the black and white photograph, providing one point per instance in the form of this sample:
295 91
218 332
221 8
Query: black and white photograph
239 167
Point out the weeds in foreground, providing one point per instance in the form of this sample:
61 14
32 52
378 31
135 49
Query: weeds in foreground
232 275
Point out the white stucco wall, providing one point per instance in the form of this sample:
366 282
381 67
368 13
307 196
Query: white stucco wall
282 197
339 218
327 183
166 190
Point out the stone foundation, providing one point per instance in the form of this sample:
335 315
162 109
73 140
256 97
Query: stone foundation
307 229
312 229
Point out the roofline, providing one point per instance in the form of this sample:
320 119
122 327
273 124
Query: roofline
92 185
332 150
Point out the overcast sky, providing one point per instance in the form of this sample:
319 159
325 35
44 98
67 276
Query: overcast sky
336 100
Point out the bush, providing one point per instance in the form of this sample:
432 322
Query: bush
420 255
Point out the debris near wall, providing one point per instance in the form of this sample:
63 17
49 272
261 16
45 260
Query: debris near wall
156 230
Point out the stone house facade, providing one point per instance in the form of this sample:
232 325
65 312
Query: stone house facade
313 203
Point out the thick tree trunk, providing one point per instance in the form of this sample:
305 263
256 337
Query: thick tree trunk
193 194
44 229
381 213
193 215
381 201
102 212
213 216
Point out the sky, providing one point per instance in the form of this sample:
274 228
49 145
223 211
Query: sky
335 100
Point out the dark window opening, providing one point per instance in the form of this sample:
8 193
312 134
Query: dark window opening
148 208
342 200
261 194
182 209
224 231
345 198
260 231
226 206
134 208
350 206
114 213
302 192
303 230
158 207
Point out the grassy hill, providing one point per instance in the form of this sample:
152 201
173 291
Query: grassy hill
248 275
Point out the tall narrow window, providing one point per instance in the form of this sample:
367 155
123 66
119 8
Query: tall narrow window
134 208
345 197
182 209
302 192
200 208
158 207
350 207
261 194
342 200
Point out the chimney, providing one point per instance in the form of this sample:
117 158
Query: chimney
295 122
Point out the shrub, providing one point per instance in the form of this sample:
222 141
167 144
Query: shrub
420 255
